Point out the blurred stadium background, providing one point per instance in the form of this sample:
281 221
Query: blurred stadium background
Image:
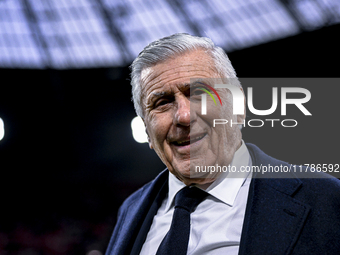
67 156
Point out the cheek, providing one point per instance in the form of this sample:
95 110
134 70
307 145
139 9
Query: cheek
223 135
158 128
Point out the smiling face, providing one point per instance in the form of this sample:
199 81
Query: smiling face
178 132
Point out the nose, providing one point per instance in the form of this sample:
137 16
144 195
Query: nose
182 116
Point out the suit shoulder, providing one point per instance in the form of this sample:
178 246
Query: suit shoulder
327 186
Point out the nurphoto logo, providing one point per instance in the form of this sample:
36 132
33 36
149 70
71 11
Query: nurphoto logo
238 104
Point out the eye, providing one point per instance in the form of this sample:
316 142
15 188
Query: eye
196 92
162 102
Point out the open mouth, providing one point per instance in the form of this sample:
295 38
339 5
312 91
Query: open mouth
190 140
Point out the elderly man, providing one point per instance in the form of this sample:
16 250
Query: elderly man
183 211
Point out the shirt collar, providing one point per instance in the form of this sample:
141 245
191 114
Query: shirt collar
175 185
224 189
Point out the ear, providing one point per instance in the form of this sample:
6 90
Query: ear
146 131
150 143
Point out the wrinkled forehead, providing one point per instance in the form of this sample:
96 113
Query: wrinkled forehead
187 85
187 66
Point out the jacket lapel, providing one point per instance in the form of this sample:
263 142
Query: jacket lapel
151 212
273 220
273 217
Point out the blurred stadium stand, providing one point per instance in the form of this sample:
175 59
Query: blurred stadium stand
64 34
68 159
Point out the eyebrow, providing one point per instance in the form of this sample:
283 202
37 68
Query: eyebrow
159 94
198 82
155 95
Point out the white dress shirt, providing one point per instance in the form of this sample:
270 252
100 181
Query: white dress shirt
216 224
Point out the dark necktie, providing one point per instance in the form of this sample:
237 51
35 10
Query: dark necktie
176 240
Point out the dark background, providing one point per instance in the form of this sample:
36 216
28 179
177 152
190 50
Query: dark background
68 158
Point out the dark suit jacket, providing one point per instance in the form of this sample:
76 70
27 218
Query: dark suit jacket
283 215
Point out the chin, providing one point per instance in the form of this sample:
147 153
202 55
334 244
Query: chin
190 177
199 181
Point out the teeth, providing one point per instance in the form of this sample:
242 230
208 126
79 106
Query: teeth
193 140
197 138
183 142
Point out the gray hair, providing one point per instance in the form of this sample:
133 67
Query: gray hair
170 46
